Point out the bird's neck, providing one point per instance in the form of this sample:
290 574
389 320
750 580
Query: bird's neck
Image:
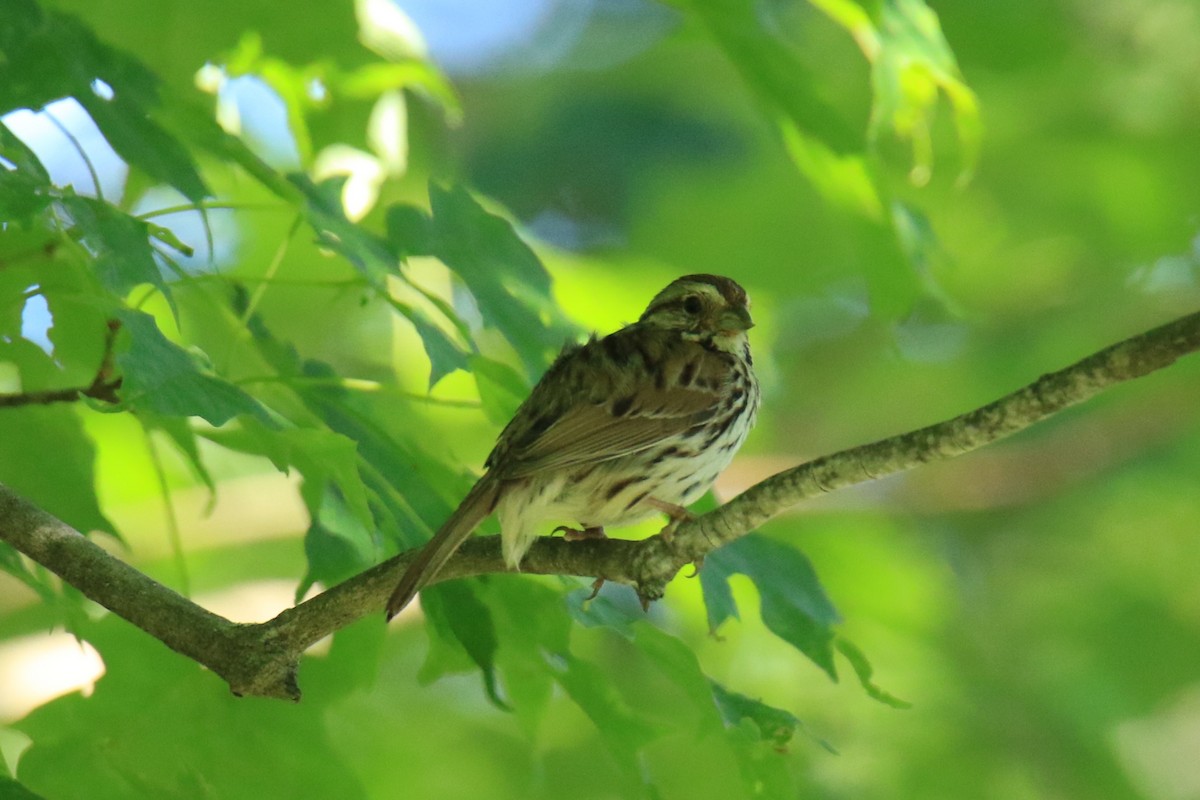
734 343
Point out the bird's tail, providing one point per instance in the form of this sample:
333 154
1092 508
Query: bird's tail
478 503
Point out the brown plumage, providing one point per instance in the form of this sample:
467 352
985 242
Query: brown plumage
618 429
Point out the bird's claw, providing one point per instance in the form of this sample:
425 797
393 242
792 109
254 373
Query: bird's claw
580 534
677 514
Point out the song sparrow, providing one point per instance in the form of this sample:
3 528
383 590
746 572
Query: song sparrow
639 422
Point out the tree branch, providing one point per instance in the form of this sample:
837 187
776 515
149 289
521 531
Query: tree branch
261 659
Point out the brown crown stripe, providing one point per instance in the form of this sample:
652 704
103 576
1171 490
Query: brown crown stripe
733 293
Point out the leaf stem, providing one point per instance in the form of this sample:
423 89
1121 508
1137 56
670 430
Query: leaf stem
272 268
210 206
91 168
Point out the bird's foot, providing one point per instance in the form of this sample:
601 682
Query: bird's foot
599 582
678 515
581 534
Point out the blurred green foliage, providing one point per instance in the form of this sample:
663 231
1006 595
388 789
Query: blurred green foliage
338 253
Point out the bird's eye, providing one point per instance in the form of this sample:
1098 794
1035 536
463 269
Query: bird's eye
692 305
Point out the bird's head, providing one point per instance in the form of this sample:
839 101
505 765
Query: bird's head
702 307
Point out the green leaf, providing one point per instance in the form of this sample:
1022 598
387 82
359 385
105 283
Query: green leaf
718 596
64 485
168 237
455 614
163 705
844 179
444 355
163 377
371 80
23 159
291 83
911 65
914 62
49 55
351 669
340 540
24 187
774 724
622 728
79 330
682 693
678 663
22 197
368 253
181 434
504 275
12 789
142 142
409 231
35 369
119 244
848 181
323 457
501 388
770 68
190 121
530 622
79 310
864 671
600 612
793 604
336 544
39 580
371 256
16 281
407 481
911 62
33 70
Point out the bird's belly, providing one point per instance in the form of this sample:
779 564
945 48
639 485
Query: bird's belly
619 492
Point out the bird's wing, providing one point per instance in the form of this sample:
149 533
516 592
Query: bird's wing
645 396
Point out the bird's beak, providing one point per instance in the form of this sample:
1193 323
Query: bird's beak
734 320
